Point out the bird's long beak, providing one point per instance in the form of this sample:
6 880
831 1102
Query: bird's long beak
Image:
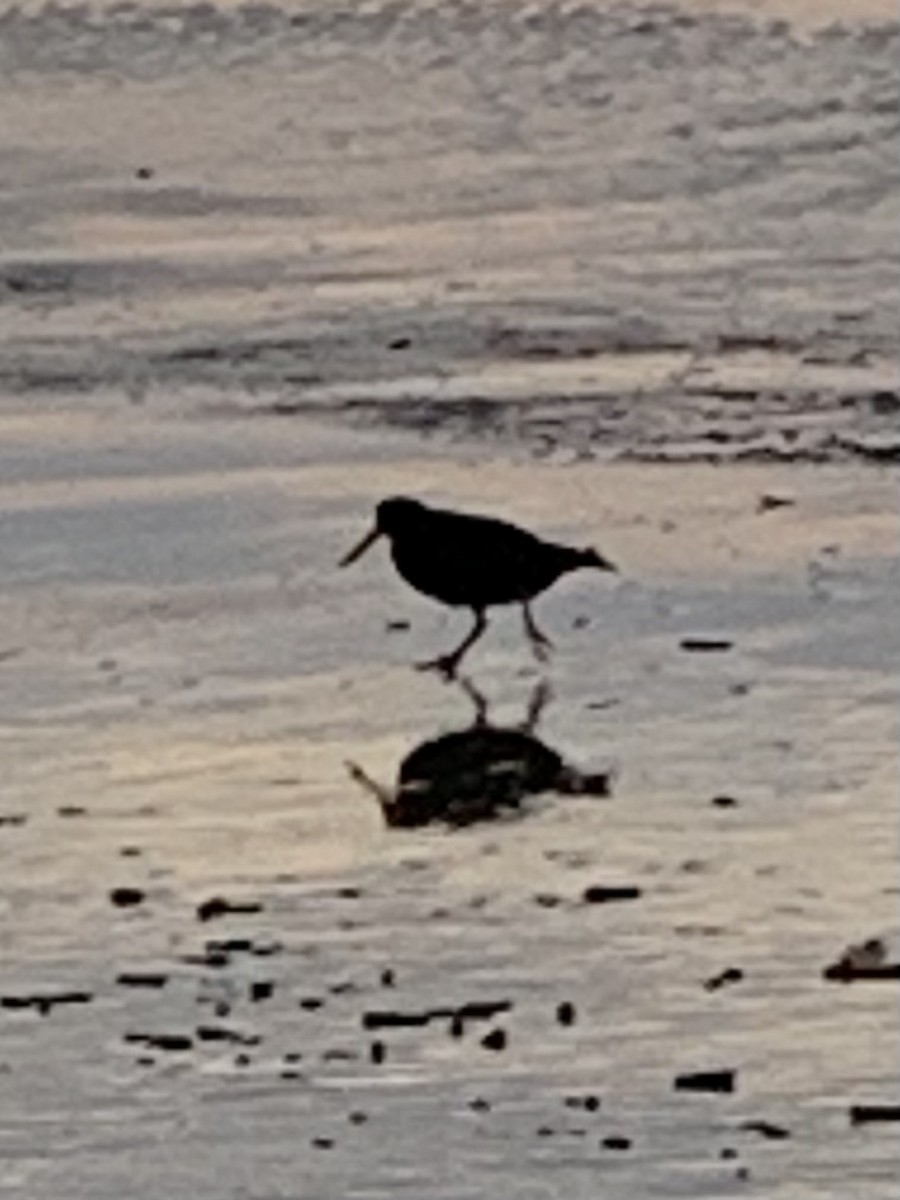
359 550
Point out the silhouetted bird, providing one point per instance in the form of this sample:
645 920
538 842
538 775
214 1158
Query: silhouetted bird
472 562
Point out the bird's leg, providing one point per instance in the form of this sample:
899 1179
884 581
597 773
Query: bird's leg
540 643
540 698
481 705
446 664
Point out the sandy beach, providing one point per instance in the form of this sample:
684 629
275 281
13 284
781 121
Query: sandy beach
626 276
186 673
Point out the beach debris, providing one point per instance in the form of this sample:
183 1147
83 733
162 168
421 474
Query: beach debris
142 979
724 802
769 501
724 979
170 1042
44 1002
868 960
706 1081
219 906
566 1013
377 1052
864 1114
705 644
71 810
766 1129
473 1010
599 893
126 897
495 1040
221 1033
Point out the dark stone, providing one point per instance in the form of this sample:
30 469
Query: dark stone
219 1033
706 1081
705 645
862 1114
724 802
45 1001
323 1143
387 979
770 500
728 976
261 989
495 1040
145 979
173 1042
311 1003
601 894
218 906
377 1052
767 1129
565 1013
126 897
616 1142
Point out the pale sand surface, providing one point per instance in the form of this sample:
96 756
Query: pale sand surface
182 659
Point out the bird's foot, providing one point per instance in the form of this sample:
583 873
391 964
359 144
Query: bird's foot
445 665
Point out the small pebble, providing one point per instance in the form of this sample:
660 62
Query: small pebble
261 989
706 1081
377 1052
126 897
616 1142
728 976
565 1013
495 1040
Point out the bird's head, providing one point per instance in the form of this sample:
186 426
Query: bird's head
592 558
392 517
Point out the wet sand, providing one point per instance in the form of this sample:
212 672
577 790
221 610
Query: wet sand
185 673
625 275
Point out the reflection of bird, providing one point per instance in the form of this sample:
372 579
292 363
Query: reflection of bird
478 773
472 562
